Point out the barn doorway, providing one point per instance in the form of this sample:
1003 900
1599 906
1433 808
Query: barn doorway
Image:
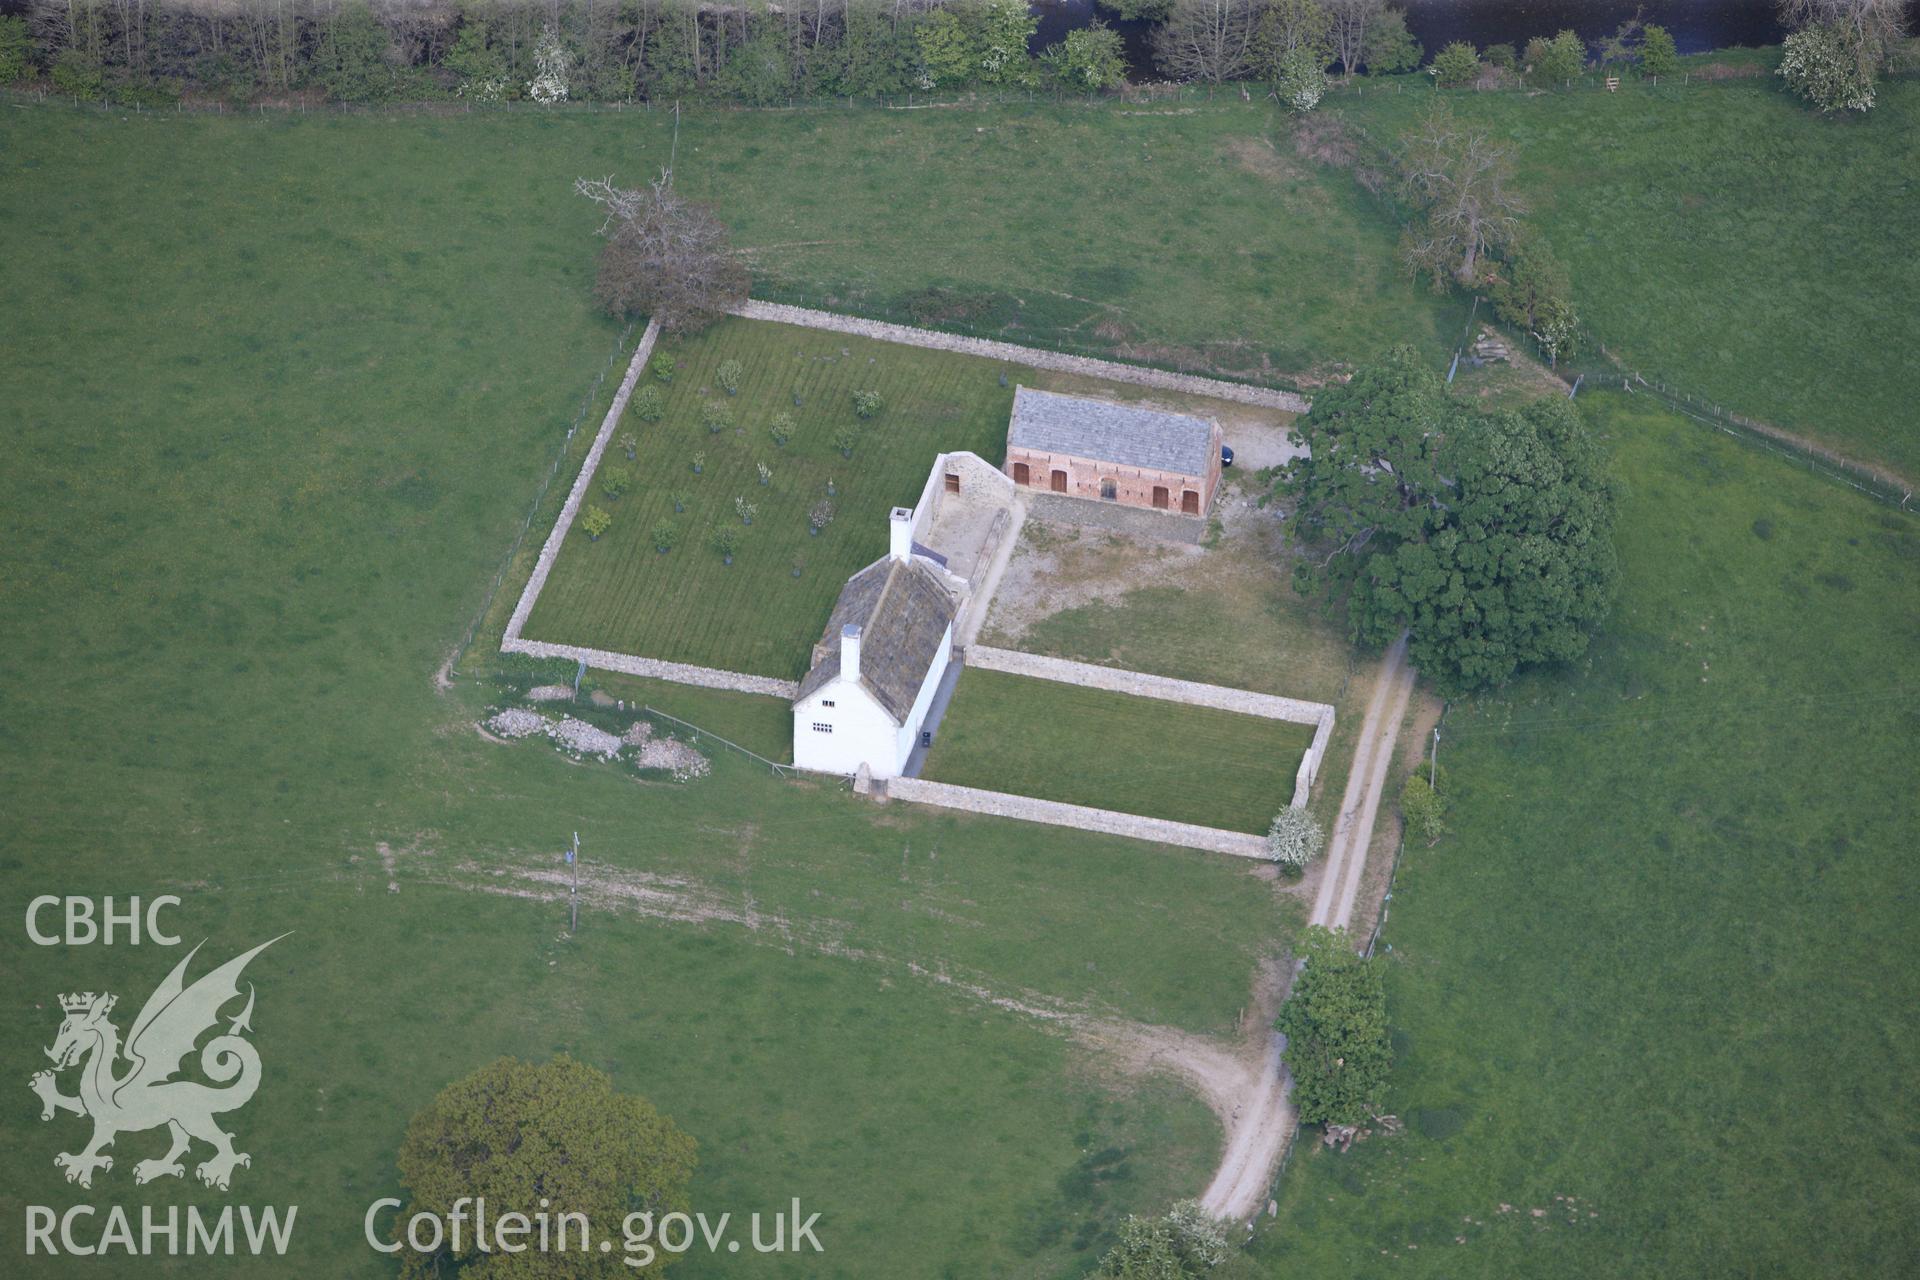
953 482
1159 497
1108 490
1022 474
1190 502
1059 482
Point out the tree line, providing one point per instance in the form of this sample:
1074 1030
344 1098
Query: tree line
540 50
757 53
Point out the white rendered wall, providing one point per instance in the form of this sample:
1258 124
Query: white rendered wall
862 732
909 734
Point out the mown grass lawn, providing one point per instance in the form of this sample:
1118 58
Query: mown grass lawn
1658 987
1064 742
757 614
279 394
1730 241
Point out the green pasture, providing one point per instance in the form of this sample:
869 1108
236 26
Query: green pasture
1064 742
1653 998
280 394
1728 241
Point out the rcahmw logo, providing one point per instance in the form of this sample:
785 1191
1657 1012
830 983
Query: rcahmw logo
145 1093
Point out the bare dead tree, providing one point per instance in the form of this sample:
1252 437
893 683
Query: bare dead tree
1209 40
1459 178
1874 26
1351 20
665 256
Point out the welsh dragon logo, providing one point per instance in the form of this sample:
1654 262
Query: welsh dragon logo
146 1095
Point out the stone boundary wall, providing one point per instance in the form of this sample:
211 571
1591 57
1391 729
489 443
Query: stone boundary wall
1032 357
550 550
657 668
1139 522
1140 684
604 659
1054 813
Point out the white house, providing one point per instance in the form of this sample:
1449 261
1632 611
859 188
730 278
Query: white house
876 669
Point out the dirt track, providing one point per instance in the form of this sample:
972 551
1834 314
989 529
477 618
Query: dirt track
1259 1126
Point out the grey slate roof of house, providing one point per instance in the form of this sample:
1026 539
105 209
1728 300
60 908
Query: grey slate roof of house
1108 432
903 613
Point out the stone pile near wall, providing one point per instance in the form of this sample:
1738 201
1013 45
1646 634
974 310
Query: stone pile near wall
1032 357
1052 812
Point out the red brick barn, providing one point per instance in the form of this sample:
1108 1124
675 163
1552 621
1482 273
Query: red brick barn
1111 452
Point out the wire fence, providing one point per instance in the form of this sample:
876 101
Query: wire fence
153 99
1879 487
977 99
779 770
587 404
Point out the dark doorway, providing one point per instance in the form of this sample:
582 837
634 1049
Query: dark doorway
1190 502
1159 497
1022 474
1059 482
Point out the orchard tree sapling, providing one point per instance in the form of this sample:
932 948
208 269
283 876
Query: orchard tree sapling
1295 838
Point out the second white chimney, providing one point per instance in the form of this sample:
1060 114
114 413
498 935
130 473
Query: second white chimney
900 529
850 651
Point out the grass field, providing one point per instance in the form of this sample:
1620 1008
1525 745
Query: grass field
1056 741
755 615
760 724
279 390
279 395
1665 966
1730 241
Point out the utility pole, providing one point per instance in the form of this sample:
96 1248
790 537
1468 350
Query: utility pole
573 893
1433 769
673 152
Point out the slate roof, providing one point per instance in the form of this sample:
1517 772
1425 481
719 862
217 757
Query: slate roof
1109 432
903 613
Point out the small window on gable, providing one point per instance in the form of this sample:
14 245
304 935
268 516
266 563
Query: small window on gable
826 702
822 728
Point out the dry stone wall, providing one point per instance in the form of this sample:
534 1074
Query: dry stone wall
1140 684
1032 357
1001 805
550 551
1137 522
658 669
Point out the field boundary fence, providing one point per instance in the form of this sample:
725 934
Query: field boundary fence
1833 466
779 770
1144 93
587 403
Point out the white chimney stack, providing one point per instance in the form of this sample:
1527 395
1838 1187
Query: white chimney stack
850 651
900 544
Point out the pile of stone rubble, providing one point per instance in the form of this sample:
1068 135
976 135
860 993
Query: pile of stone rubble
580 739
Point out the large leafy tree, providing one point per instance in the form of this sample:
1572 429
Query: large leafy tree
1825 64
1335 1022
1486 536
1088 59
1534 291
554 1138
